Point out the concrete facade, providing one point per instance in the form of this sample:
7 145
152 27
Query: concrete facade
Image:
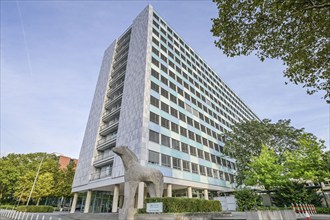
158 97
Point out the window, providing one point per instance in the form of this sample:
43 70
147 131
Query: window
166 160
194 168
154 136
209 172
155 62
154 73
155 87
181 103
213 158
164 93
164 80
185 165
175 144
202 170
184 148
155 51
173 98
154 101
174 112
183 131
166 141
176 163
182 117
207 156
200 153
164 107
174 127
153 157
191 135
215 174
165 123
154 118
193 151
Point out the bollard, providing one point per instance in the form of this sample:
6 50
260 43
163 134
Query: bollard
37 217
43 217
32 217
23 215
50 218
19 215
27 216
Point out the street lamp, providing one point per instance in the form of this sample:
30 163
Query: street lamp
35 179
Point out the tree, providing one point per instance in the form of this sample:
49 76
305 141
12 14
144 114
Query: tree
265 170
44 186
297 32
247 199
246 139
295 192
308 162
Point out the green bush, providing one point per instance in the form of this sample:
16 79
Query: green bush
32 208
247 199
7 207
179 205
322 210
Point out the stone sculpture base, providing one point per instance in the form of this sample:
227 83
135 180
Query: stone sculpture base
127 214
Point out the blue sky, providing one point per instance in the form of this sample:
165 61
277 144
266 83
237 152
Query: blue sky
51 52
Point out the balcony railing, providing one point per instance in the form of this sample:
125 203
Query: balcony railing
114 89
103 159
112 100
110 127
99 175
108 114
108 142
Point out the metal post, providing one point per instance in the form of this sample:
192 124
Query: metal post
35 180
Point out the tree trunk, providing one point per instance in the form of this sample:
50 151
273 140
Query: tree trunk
38 201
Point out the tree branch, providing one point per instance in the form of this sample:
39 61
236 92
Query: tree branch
318 6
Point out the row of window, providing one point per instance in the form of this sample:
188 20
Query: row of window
183 165
183 147
196 86
187 52
203 108
186 119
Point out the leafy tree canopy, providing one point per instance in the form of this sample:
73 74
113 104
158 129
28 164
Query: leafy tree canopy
297 32
246 139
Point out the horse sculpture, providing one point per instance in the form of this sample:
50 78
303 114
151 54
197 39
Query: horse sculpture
134 174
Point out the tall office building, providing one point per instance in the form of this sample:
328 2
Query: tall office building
157 96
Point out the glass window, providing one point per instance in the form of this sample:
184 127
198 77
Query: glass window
153 157
166 160
182 117
154 87
155 62
202 170
154 73
175 144
174 127
164 107
164 93
185 165
215 174
209 172
184 148
154 136
154 101
166 141
154 118
207 156
165 123
200 153
176 163
193 151
174 112
183 131
194 168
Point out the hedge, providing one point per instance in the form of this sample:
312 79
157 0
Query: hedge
179 205
7 207
322 210
33 208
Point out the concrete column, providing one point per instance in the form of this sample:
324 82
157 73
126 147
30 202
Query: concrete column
206 194
74 203
121 201
115 199
88 201
169 190
140 195
189 192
